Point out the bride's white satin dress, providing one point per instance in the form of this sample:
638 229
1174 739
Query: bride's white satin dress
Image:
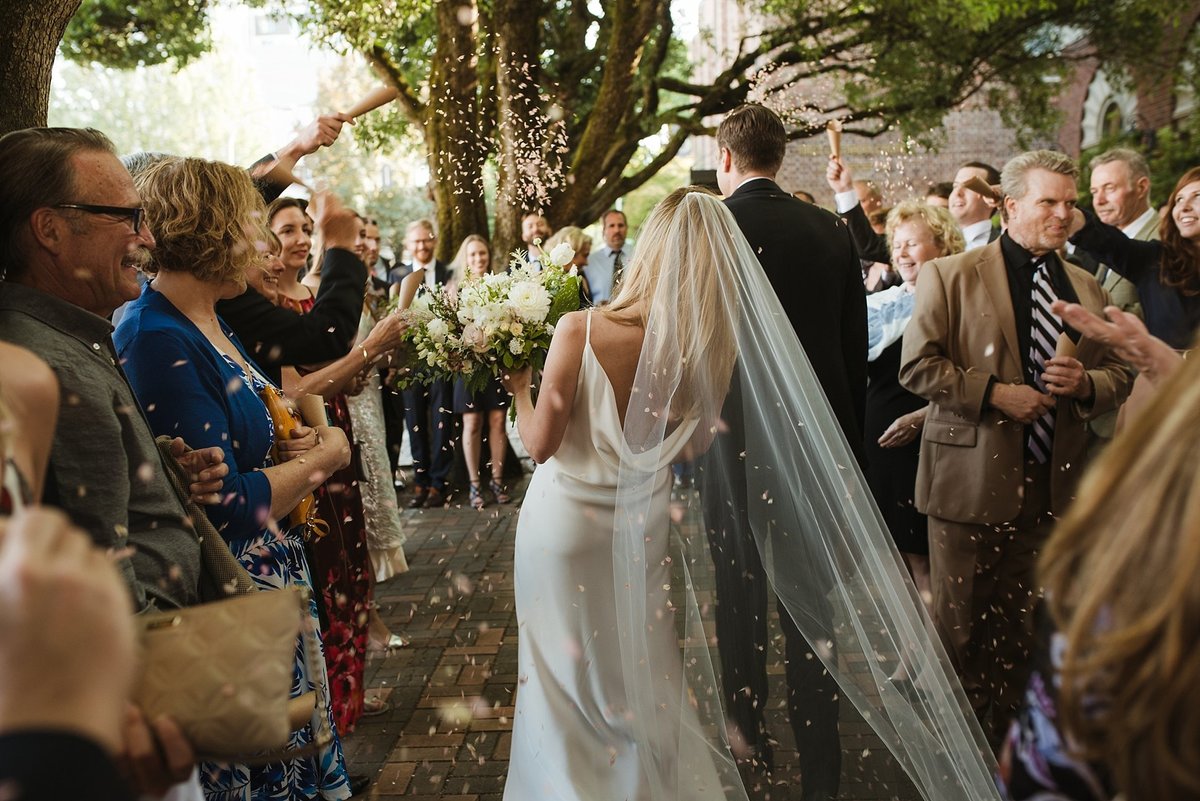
572 732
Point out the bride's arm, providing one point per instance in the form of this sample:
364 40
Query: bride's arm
542 427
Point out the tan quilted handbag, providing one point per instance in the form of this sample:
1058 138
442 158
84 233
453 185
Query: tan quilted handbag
223 672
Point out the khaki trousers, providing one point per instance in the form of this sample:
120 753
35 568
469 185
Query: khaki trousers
984 592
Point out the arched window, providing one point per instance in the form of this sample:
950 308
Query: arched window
1112 123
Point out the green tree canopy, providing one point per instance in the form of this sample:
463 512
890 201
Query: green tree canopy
561 94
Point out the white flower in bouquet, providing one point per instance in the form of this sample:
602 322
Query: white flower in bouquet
529 301
516 346
562 254
438 330
419 310
472 295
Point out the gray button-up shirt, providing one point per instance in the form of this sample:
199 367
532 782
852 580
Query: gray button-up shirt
105 470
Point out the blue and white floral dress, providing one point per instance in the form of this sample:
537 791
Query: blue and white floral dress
189 389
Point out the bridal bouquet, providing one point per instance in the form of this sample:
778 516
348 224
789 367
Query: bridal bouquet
493 323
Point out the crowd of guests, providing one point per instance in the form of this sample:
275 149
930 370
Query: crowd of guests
991 381
177 297
988 396
439 417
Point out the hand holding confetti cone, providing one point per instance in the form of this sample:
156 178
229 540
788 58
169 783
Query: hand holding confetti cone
834 129
379 96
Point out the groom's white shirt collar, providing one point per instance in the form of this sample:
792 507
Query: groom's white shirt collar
751 178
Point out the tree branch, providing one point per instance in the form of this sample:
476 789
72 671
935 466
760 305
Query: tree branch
380 60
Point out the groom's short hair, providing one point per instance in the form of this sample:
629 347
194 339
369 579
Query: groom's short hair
755 137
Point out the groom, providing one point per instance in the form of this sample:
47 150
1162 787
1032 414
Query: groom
808 257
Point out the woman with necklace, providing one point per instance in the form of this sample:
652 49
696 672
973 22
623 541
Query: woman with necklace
193 379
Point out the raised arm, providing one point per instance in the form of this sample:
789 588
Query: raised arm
276 337
870 245
1127 257
272 173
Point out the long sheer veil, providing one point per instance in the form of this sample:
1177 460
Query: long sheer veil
720 355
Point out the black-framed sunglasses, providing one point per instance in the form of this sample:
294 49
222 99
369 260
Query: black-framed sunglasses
135 216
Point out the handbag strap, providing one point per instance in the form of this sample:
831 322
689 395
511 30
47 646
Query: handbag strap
221 575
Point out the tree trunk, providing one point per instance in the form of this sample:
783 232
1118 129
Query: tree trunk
520 123
607 132
30 31
456 151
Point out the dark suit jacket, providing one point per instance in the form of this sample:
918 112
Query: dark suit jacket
871 246
963 336
441 272
50 765
276 337
811 262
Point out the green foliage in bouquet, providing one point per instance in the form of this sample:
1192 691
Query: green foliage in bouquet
490 324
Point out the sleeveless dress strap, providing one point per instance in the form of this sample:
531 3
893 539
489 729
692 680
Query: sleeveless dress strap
587 336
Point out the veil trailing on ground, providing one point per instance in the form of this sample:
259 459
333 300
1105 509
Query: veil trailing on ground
721 368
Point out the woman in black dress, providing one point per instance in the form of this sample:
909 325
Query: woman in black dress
474 260
916 233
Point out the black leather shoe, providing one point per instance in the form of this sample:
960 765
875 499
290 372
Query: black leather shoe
418 498
359 782
434 498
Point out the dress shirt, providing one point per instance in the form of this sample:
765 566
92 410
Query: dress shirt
1019 263
599 271
888 313
844 201
430 279
105 470
978 234
1135 227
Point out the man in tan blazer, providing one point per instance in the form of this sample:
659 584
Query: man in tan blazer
993 472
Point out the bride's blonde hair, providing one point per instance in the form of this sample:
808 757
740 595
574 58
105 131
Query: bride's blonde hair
1120 574
677 278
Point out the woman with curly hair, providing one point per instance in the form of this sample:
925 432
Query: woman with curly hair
194 379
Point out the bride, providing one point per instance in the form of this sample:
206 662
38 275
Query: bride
617 697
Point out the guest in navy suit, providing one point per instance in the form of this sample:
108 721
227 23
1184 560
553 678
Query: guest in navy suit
428 411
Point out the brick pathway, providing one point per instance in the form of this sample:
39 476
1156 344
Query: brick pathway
448 733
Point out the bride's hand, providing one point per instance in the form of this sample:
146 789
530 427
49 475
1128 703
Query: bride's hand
516 381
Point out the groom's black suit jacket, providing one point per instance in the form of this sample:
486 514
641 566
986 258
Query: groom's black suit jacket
811 262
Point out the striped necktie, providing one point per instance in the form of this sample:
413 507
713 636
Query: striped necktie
618 268
1046 330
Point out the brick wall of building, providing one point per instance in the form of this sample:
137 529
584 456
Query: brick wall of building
975 133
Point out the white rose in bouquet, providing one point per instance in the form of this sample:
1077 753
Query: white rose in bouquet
529 301
419 310
562 254
438 330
